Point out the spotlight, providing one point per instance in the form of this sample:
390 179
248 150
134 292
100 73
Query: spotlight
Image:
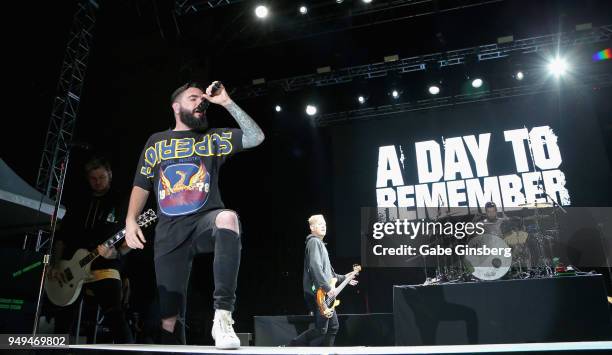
303 10
367 1
395 94
434 89
519 75
311 110
557 66
261 11
476 83
339 1
361 99
278 108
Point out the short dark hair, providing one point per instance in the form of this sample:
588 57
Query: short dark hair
490 204
181 89
95 163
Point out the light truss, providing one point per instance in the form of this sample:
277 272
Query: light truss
436 102
441 59
184 7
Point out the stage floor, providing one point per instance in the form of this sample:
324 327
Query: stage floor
591 346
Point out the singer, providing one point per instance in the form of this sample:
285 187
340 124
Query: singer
192 218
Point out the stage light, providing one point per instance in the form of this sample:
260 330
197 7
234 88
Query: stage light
505 39
339 1
395 94
434 89
391 58
261 11
557 66
303 10
367 1
278 108
519 75
311 110
476 83
361 99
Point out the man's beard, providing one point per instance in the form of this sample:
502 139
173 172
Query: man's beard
189 119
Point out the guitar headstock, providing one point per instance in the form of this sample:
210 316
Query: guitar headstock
356 268
145 219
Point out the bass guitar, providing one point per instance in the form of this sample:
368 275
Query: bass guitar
327 304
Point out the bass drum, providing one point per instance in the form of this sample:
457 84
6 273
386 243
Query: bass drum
488 267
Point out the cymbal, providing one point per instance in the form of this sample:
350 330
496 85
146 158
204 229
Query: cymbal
537 205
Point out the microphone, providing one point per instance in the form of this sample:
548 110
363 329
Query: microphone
205 103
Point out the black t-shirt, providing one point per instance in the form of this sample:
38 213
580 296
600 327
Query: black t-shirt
182 169
91 221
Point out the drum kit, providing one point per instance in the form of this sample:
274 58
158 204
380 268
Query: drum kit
534 227
528 230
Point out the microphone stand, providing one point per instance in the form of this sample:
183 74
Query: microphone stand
47 257
541 187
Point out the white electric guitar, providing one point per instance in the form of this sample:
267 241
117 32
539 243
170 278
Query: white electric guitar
77 270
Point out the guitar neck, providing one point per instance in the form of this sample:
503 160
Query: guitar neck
115 238
342 285
108 243
356 270
144 220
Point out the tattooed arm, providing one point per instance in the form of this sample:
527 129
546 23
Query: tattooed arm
252 135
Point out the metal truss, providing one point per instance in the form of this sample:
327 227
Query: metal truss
67 99
434 60
184 7
374 112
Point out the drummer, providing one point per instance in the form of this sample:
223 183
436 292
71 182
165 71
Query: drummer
493 224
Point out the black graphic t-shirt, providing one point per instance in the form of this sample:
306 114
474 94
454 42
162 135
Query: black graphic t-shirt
182 169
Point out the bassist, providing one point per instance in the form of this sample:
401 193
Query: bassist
317 274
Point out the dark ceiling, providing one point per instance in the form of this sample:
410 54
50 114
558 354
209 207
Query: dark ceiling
144 48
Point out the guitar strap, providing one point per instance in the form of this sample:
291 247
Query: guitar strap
101 274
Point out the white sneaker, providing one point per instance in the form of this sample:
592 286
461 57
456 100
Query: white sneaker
223 331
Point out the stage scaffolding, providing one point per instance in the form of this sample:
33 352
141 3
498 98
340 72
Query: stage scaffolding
184 7
66 102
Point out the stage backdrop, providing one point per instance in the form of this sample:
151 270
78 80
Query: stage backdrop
467 155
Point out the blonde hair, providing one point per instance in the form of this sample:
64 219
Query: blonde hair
313 219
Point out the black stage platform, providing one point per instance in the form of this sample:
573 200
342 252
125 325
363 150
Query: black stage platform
570 308
544 316
374 329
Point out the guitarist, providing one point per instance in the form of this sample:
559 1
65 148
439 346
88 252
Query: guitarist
317 274
88 224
